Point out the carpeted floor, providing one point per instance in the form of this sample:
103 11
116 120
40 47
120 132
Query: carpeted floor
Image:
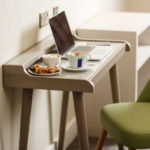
110 144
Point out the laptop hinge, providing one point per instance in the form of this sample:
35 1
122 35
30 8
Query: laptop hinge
66 52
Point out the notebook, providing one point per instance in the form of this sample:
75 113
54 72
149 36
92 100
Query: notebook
65 42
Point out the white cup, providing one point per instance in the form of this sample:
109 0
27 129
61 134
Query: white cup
51 59
78 61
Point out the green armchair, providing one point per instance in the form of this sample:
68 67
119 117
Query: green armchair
128 123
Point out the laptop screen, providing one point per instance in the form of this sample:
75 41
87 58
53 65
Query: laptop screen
61 32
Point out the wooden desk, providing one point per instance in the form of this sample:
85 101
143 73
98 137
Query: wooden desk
15 75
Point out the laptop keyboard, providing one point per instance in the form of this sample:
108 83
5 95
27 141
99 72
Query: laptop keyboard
86 49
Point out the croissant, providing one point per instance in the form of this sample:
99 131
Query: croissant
37 70
42 70
52 69
36 66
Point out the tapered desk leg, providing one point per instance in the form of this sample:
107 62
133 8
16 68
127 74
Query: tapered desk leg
63 120
81 120
25 118
114 78
120 146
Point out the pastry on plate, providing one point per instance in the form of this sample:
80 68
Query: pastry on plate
45 69
52 69
36 66
41 69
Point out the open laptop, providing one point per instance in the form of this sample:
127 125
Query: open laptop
65 42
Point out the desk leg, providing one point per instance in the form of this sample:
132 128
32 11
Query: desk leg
64 109
25 118
114 78
81 120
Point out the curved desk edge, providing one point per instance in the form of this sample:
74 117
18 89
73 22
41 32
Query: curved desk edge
128 46
18 77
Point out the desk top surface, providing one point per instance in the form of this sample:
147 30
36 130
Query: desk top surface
118 21
24 58
16 74
93 65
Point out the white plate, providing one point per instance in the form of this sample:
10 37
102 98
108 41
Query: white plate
66 66
45 74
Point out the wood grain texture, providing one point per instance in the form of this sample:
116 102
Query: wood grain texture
115 84
25 118
63 118
15 76
81 120
101 140
120 146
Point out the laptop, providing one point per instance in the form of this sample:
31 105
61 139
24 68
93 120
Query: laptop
65 42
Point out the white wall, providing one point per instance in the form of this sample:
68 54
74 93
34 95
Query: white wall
20 30
138 5
112 5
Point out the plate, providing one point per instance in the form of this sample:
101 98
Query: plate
31 71
66 66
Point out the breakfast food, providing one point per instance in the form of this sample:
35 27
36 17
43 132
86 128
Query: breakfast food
51 59
51 55
76 54
42 70
36 66
45 69
52 69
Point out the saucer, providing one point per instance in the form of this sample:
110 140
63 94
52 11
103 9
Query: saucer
66 66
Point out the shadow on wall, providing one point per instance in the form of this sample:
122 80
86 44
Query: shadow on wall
29 37
51 120
5 114
10 104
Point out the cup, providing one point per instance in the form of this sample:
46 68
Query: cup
78 59
51 59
